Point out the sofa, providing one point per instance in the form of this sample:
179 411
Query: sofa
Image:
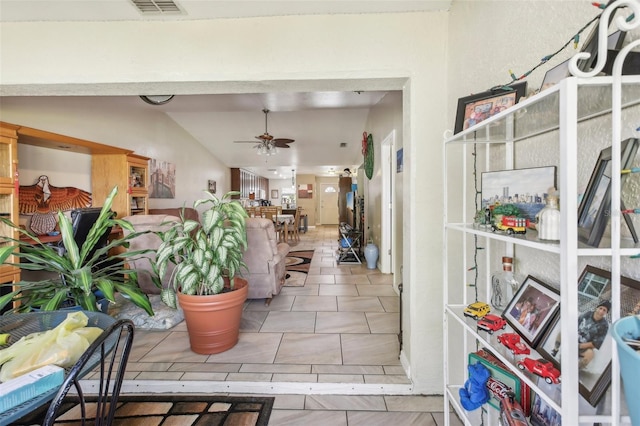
189 212
265 258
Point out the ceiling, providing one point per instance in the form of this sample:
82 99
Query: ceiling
319 122
126 10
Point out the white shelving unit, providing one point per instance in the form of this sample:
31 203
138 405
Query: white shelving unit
561 116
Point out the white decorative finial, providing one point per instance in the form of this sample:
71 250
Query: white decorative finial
603 28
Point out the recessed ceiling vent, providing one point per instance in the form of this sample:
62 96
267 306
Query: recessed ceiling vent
155 7
343 144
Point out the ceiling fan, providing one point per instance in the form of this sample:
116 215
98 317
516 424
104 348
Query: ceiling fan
268 140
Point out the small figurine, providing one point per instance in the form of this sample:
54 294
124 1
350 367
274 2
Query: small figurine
475 392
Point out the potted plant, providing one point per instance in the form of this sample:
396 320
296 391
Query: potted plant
77 273
203 260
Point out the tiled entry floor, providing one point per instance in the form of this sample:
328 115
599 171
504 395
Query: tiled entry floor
336 335
340 327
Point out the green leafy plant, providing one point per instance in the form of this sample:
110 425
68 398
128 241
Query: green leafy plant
506 210
203 252
77 273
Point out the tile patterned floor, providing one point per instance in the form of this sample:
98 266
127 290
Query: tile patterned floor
340 328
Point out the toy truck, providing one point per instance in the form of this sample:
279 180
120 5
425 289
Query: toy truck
511 225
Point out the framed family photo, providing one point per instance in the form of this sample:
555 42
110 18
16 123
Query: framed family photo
476 108
595 206
532 309
594 293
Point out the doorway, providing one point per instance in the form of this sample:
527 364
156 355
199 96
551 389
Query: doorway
328 204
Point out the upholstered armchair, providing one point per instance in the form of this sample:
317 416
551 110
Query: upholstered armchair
265 258
141 223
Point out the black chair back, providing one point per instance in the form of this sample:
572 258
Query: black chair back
82 220
107 357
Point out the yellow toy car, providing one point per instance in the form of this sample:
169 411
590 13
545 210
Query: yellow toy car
477 310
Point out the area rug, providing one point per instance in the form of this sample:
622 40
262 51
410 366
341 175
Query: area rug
298 263
168 409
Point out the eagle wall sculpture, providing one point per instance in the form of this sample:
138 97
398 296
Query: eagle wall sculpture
42 201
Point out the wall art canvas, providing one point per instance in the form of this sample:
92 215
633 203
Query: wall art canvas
163 179
305 190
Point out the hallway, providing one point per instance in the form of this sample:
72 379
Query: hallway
328 349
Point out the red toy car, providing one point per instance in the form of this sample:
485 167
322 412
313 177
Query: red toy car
512 342
491 323
542 368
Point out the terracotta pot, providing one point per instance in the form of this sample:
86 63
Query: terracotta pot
213 322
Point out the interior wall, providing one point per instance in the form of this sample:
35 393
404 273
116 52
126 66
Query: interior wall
278 184
542 28
309 205
383 119
334 52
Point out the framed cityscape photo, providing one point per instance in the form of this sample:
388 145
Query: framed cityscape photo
476 108
595 206
532 309
524 188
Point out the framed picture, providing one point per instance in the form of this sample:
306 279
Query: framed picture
595 205
591 44
525 188
476 108
305 190
542 414
399 160
594 295
211 186
555 75
163 179
561 71
274 194
532 309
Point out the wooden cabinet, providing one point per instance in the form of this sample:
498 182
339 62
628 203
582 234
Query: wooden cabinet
344 213
248 183
130 172
8 194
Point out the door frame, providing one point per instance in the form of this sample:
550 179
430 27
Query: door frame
387 214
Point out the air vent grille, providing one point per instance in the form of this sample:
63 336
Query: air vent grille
156 6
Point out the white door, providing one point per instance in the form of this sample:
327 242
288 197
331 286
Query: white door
328 204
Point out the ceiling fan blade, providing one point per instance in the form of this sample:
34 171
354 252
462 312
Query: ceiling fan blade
283 140
281 145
